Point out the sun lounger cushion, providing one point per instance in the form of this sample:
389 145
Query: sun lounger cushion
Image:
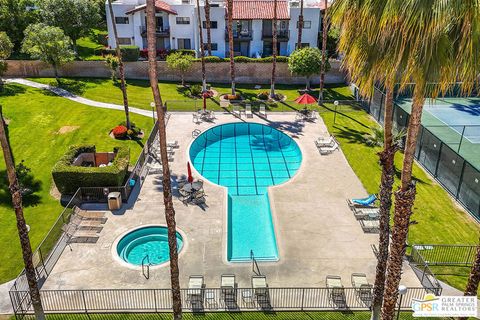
366 201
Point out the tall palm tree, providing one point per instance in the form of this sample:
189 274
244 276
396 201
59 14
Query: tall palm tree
166 181
121 67
208 25
474 278
324 54
15 191
202 49
300 26
230 43
274 51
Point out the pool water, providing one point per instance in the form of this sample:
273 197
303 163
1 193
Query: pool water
150 241
247 158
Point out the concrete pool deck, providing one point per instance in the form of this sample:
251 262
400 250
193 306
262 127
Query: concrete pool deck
317 234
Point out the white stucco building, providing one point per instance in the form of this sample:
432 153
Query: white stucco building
177 25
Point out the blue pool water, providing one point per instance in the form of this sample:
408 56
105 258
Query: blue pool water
247 158
151 241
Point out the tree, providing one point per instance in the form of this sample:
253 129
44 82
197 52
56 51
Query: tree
112 62
274 51
15 16
166 180
306 62
6 47
208 25
123 85
202 49
181 63
324 53
230 43
15 191
300 26
49 44
75 17
474 278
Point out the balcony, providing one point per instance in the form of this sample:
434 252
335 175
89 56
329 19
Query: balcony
244 35
162 32
282 35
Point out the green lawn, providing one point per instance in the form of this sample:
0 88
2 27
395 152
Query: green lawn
35 118
438 219
140 94
89 48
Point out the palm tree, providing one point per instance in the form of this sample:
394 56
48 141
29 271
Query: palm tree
121 67
16 193
230 43
274 51
202 49
208 25
166 181
324 54
300 26
474 277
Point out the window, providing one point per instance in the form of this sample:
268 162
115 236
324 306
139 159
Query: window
183 20
213 24
184 44
121 20
306 24
214 5
125 41
214 46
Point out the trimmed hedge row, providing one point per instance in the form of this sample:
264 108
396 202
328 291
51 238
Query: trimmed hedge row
69 178
243 59
129 53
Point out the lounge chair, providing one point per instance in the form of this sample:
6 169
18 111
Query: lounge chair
370 226
260 287
236 112
262 111
328 150
366 213
329 142
248 111
196 118
367 202
90 215
229 287
83 236
154 167
363 289
172 144
195 289
336 292
196 133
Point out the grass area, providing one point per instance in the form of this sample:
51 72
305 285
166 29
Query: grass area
35 119
437 218
178 99
89 47
230 316
454 276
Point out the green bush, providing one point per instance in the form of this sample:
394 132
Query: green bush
243 59
69 178
212 59
184 51
270 59
129 53
196 90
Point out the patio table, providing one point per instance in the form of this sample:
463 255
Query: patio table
192 187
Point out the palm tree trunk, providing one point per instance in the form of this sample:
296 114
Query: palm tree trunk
230 43
14 188
121 67
404 199
274 51
324 55
202 49
387 157
300 26
55 72
167 188
474 278
208 25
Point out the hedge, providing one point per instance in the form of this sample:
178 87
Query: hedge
69 178
129 53
243 59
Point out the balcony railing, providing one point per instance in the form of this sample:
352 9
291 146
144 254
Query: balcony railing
240 35
159 31
281 34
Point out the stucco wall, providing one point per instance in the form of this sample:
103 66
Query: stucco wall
216 72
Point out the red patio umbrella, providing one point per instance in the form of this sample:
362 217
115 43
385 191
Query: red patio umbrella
190 178
205 95
305 99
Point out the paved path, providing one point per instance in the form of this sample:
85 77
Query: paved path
5 304
68 95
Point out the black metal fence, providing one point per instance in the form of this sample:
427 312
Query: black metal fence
444 255
439 157
206 299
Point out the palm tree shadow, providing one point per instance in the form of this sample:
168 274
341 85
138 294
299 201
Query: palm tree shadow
30 187
11 89
351 135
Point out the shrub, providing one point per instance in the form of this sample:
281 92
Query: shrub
129 53
188 52
120 132
69 178
196 90
161 53
270 59
263 95
134 131
213 59
243 59
232 96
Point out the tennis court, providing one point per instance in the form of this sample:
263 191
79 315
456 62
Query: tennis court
455 121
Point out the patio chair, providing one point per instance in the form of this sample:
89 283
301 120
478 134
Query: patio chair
195 289
366 213
329 142
90 215
196 133
370 226
336 292
262 111
327 150
228 286
248 111
154 167
196 118
260 287
367 202
236 111
363 289
172 144
83 236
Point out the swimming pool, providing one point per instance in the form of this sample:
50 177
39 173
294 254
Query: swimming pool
147 245
247 158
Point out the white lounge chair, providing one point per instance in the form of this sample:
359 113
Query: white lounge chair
329 142
228 286
248 111
336 292
363 289
196 118
262 112
366 213
328 150
172 144
195 287
236 111
370 226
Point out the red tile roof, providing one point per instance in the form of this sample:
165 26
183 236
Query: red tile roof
321 5
259 9
159 5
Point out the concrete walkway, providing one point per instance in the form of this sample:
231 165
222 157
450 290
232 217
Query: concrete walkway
5 304
70 96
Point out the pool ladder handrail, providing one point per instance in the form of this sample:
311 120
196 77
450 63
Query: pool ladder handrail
147 266
255 268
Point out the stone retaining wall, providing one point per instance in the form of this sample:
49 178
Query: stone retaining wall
216 72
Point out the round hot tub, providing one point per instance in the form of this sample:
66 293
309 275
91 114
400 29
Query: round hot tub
146 245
